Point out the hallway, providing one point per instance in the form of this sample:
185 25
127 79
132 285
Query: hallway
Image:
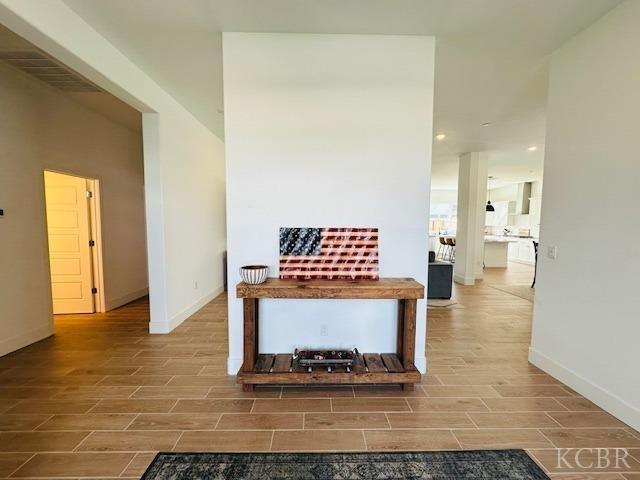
102 396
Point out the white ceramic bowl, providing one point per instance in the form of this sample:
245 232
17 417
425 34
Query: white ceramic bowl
254 274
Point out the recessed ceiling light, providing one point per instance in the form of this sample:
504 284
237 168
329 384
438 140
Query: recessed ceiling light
485 124
441 136
532 148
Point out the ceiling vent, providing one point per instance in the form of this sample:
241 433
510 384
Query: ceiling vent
48 70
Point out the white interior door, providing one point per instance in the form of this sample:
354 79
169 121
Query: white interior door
69 251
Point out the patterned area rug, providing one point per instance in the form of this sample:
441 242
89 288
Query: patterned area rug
441 303
458 465
522 291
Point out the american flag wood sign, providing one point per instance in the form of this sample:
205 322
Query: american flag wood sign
329 253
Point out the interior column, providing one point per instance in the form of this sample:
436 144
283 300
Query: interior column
472 195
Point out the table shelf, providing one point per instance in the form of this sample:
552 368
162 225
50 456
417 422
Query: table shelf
282 368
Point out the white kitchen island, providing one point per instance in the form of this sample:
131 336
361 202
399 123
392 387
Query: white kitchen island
496 251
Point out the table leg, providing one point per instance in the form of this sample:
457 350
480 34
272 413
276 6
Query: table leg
409 337
250 306
400 331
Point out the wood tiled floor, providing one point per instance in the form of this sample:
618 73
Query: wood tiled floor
102 396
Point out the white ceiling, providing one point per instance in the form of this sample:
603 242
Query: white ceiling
491 58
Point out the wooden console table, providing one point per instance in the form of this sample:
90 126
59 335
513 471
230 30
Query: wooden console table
268 368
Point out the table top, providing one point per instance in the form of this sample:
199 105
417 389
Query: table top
384 288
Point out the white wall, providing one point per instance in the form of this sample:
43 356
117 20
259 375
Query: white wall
449 196
40 129
183 161
327 130
586 321
504 194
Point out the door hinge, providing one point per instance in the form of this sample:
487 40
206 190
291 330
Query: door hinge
94 290
89 194
92 243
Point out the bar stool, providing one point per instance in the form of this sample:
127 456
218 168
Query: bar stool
451 243
535 271
443 247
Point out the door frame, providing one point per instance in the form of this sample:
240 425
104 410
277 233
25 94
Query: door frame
95 228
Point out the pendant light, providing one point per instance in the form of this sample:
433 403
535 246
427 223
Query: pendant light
490 208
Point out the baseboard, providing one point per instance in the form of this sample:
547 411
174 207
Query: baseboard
421 364
233 365
20 341
464 280
111 304
606 400
166 327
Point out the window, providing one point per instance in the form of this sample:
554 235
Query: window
443 219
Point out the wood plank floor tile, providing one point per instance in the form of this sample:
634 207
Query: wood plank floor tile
430 420
224 441
138 465
340 421
40 441
28 392
370 405
317 392
237 392
513 420
165 370
75 464
292 405
6 404
318 440
472 380
531 380
261 421
532 391
586 419
447 405
591 437
91 421
9 462
460 391
587 476
90 393
524 404
135 380
213 406
387 391
17 422
53 406
175 421
581 461
109 370
66 380
171 392
381 440
133 406
501 438
195 381
133 441
579 404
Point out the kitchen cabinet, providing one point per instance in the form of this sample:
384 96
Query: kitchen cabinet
496 251
522 251
535 207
